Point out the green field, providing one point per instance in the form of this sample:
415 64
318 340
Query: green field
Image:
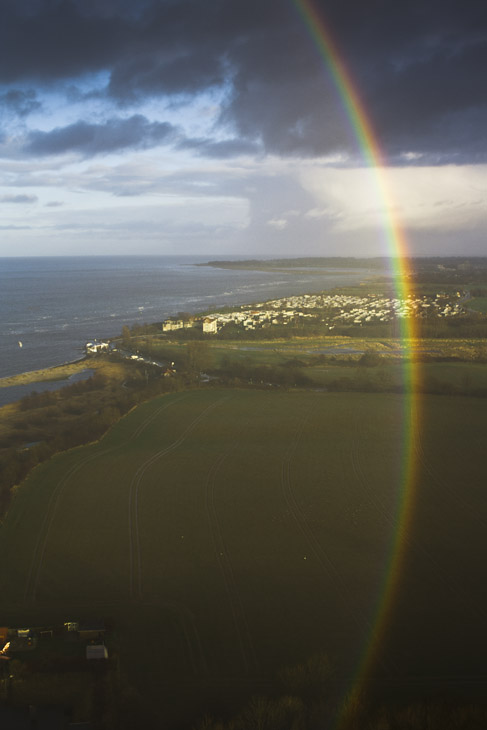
227 533
479 304
464 377
278 352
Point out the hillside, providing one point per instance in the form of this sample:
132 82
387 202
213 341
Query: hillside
227 533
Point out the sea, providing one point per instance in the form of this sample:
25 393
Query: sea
51 306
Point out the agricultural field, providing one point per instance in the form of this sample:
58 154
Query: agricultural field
227 533
461 377
479 304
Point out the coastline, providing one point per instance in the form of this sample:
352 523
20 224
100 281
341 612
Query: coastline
318 264
123 292
56 372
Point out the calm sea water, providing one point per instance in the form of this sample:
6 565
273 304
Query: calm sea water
54 305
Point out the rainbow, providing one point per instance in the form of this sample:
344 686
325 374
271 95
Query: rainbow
398 257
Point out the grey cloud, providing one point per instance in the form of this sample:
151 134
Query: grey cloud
22 199
133 180
223 149
159 73
135 132
418 67
20 102
15 228
91 139
47 40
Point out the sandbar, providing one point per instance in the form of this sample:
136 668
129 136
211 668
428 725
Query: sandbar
57 372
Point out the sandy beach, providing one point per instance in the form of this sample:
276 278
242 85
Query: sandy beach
58 372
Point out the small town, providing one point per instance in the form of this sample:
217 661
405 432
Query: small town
330 310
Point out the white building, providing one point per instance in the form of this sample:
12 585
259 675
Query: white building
92 348
210 325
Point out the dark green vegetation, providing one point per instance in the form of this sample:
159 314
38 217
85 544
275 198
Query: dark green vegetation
452 270
307 262
453 367
42 424
303 707
227 533
479 304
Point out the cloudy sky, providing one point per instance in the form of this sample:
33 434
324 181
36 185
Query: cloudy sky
215 127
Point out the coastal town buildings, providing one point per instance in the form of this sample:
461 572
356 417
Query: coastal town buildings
329 309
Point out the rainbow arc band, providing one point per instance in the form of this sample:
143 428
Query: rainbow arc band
398 260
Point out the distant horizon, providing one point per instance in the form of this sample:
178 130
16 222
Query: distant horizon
240 257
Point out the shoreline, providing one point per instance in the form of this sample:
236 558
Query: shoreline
65 369
53 373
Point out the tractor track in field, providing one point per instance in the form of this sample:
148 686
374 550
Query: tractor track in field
244 636
194 648
135 555
394 521
314 544
141 428
37 561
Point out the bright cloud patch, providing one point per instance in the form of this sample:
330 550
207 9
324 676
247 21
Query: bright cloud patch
422 197
278 223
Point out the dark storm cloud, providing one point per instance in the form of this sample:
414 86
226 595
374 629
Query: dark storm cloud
48 40
91 139
419 66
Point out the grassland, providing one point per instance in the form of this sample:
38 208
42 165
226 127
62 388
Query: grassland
454 376
41 424
444 366
273 351
479 304
230 532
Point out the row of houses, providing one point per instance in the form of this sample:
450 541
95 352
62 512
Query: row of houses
248 319
178 324
327 308
343 308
